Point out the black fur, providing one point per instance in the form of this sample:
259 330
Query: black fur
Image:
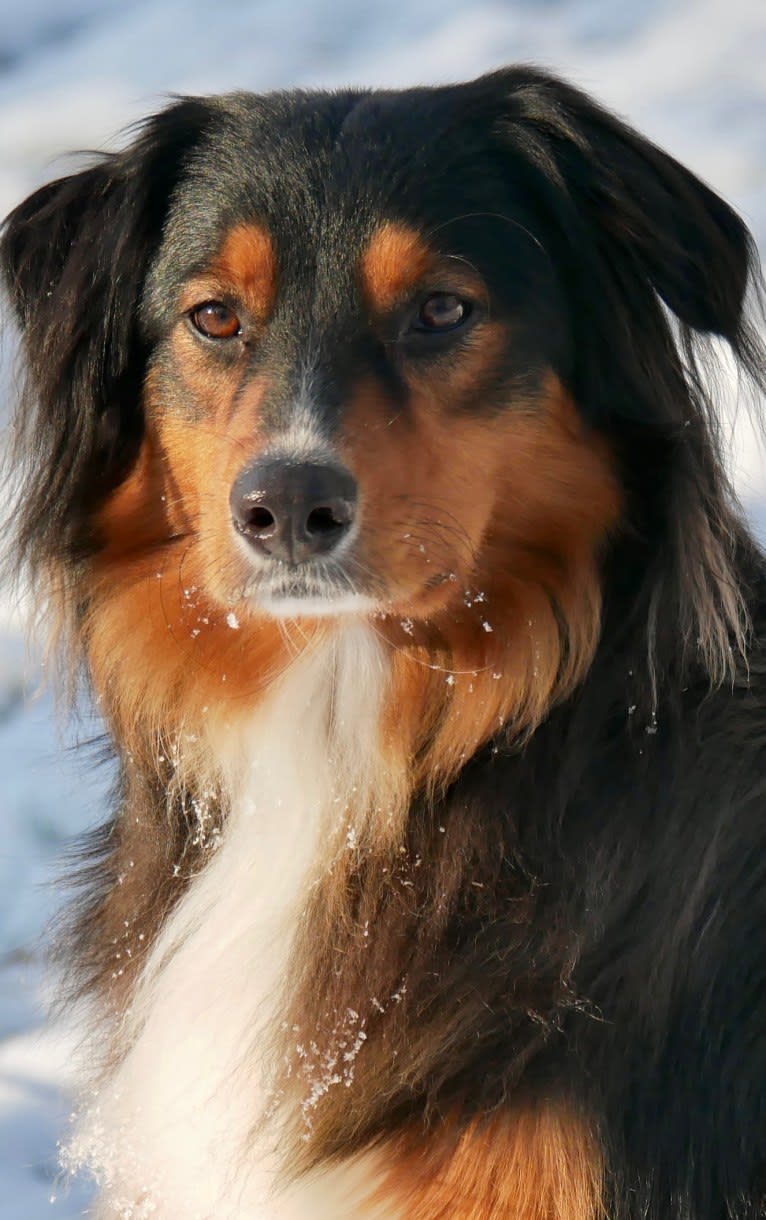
631 829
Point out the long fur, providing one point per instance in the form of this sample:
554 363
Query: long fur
446 901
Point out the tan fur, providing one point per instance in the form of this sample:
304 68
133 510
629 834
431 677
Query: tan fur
161 650
540 1164
490 532
396 259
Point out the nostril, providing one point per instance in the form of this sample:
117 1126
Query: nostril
260 519
327 519
253 519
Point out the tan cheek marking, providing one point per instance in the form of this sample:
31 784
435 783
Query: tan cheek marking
544 1164
136 517
426 482
396 258
186 466
527 500
452 390
161 643
195 382
167 666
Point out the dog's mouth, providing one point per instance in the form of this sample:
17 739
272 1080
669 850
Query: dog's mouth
310 591
315 605
323 590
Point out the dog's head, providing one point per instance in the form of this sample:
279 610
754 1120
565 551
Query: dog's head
407 355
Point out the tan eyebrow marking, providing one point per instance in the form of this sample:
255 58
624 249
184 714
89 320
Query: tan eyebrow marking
246 267
395 260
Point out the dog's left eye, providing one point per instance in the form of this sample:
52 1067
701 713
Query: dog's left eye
440 312
215 320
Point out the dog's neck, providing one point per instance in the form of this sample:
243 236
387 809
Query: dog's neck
318 734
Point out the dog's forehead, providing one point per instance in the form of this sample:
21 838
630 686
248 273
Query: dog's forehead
322 174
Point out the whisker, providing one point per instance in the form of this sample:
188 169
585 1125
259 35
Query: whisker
510 220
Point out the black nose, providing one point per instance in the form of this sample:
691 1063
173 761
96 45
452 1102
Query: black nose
293 511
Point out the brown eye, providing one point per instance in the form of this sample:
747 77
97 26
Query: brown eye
441 311
215 320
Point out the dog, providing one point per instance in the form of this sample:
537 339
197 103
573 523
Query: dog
369 470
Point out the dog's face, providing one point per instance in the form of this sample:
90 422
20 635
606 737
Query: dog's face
332 355
353 384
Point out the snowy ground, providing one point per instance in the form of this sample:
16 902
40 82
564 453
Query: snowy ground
72 74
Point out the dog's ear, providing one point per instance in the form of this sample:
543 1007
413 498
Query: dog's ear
652 218
81 244
38 237
73 259
631 234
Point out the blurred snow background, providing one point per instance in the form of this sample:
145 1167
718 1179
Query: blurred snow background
73 73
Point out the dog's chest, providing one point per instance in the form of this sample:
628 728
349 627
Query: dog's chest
173 1130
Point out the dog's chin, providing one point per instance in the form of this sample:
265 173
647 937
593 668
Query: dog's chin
314 604
311 597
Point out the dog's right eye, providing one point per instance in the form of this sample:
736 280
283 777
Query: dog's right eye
215 320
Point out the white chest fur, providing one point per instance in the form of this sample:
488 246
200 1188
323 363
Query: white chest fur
170 1132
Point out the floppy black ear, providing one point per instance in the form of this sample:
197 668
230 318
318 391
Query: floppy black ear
626 228
38 235
73 259
654 218
82 243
